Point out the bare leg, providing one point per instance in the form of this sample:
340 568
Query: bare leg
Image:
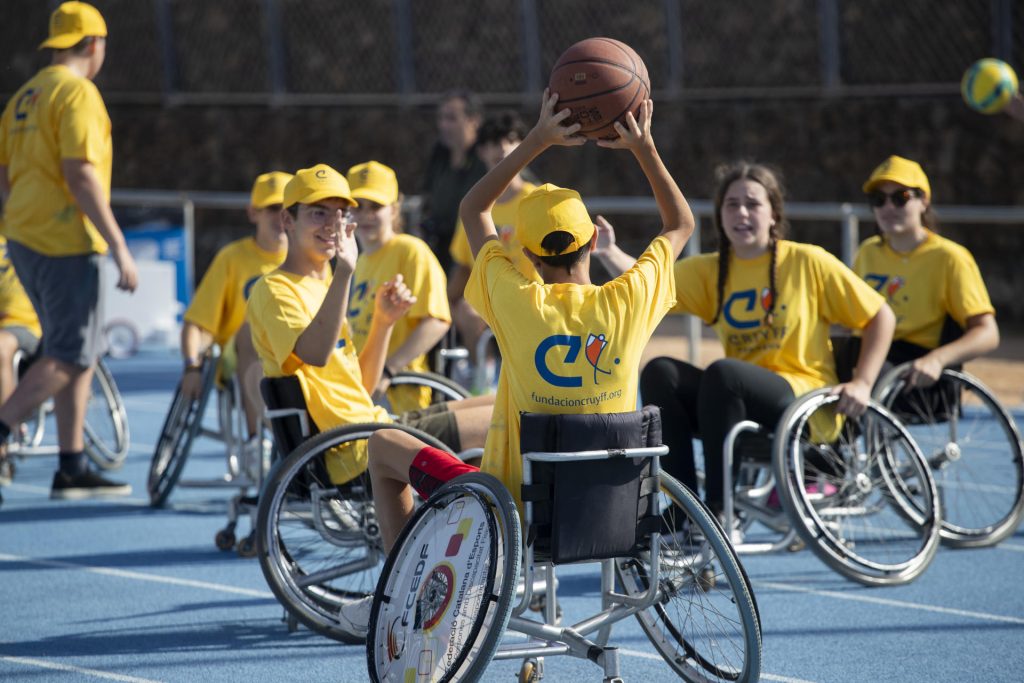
250 372
8 347
69 406
473 418
44 379
391 453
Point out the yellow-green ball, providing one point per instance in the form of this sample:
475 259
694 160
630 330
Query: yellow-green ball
988 85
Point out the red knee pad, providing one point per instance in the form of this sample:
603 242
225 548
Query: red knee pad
432 467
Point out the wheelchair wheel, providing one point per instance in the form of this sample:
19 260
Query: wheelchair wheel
705 621
865 503
973 449
445 594
442 388
319 543
183 422
106 423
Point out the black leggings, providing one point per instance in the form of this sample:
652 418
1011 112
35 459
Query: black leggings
709 403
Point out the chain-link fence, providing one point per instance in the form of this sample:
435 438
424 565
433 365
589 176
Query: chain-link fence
376 51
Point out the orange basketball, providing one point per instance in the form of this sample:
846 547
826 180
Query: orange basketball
600 79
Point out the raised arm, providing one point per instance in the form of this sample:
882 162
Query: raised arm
980 337
475 209
636 136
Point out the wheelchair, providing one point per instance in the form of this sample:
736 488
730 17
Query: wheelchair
106 434
318 541
973 450
857 492
448 591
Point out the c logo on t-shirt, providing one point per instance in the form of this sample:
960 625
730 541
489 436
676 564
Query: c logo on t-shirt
25 104
596 344
247 287
750 297
358 294
883 284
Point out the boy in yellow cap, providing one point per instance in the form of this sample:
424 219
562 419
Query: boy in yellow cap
568 346
299 325
383 254
217 311
55 166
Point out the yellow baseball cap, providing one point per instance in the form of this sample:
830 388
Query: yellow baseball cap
71 22
269 189
549 209
373 181
902 171
310 185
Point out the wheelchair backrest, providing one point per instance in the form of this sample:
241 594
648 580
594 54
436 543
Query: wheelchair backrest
593 509
285 393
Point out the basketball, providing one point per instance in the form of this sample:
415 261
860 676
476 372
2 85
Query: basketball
988 85
600 79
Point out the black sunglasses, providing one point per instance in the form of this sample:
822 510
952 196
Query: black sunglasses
899 197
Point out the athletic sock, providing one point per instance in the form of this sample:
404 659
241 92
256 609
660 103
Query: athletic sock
74 463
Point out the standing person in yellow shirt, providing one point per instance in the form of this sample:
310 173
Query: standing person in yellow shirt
217 312
497 137
383 254
924 277
55 165
771 302
568 346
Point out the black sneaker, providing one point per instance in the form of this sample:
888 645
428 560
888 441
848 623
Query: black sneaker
89 484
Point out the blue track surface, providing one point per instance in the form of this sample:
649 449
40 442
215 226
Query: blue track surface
118 591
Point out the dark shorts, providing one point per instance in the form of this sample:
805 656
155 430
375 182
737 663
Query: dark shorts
65 291
432 467
28 342
436 420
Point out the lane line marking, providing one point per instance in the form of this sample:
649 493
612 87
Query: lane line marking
139 576
43 664
983 616
659 658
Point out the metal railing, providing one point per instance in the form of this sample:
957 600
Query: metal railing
848 217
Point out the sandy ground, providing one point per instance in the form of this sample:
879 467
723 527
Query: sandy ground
1002 371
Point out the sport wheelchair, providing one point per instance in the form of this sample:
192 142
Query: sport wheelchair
858 492
105 434
318 541
973 450
447 592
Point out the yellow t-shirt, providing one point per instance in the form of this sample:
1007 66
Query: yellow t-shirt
281 307
15 308
814 290
565 348
422 273
504 216
938 278
56 115
218 305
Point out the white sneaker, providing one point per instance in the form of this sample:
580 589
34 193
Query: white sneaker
354 616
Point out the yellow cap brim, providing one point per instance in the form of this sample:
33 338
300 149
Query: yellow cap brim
63 42
315 197
373 196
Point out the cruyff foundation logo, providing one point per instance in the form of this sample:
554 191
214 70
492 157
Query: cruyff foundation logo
739 308
595 347
25 104
888 286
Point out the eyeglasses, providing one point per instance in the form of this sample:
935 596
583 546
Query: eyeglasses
319 215
899 197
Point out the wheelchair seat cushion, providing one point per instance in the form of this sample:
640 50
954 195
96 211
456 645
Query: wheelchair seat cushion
591 509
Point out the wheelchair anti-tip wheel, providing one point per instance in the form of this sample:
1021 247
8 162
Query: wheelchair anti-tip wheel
106 422
705 622
318 542
865 502
183 422
446 591
973 449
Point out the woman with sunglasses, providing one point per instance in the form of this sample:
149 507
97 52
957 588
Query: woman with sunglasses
927 280
771 302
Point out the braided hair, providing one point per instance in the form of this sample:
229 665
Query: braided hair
769 179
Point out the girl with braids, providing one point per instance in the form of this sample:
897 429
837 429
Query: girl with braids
771 301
